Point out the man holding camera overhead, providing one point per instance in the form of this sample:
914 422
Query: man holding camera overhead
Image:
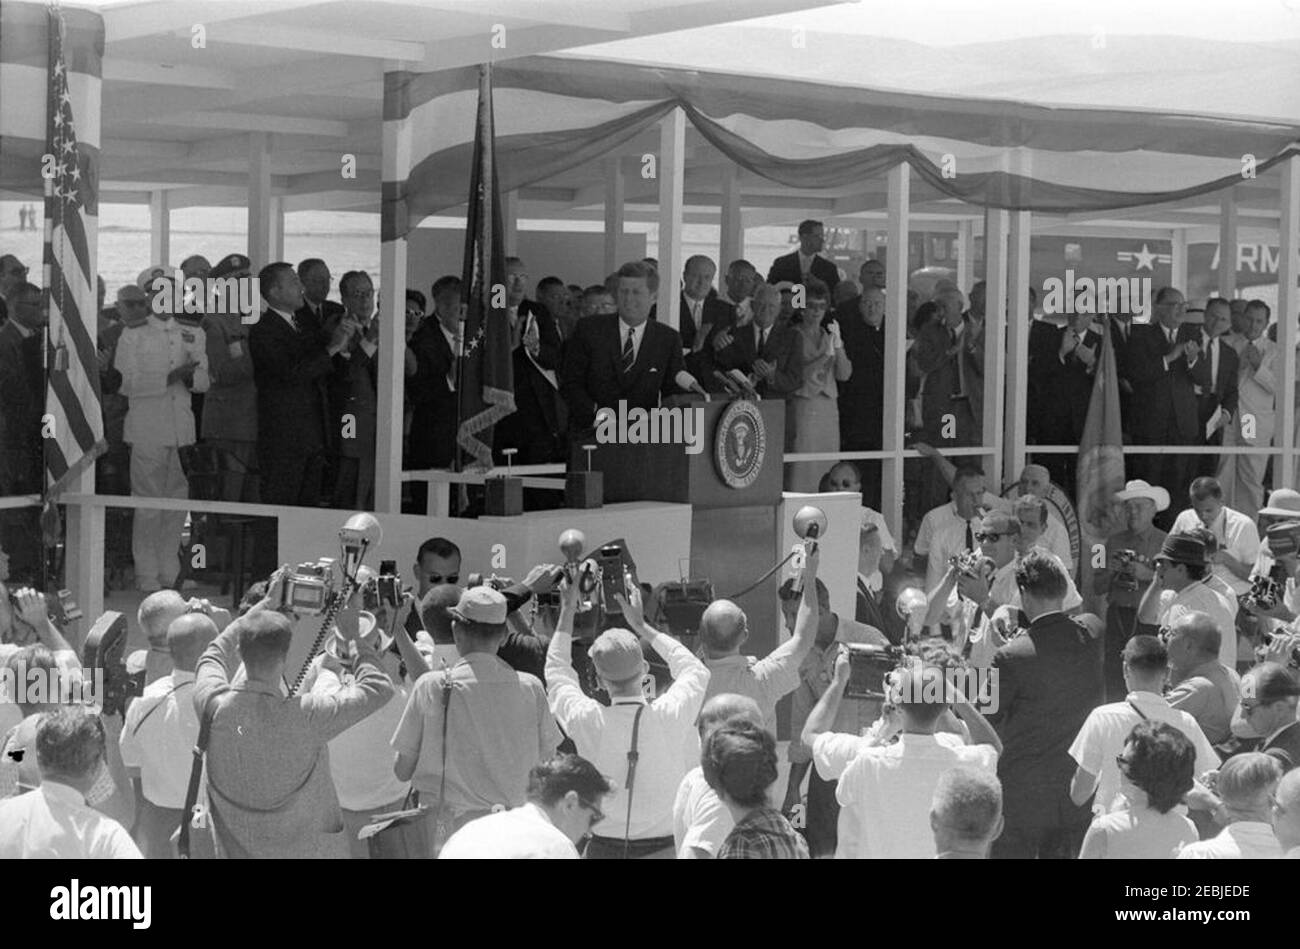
647 747
269 785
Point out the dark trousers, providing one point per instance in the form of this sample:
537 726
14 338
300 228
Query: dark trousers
291 476
608 848
822 817
154 827
1042 830
1120 625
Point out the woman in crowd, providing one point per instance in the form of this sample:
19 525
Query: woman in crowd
812 412
739 763
1156 771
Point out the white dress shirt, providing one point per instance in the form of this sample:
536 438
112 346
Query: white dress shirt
1106 729
158 738
890 787
668 743
1199 596
700 820
54 823
1235 532
159 414
521 833
1244 840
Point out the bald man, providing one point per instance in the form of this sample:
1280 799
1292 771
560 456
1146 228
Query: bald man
159 734
966 813
1286 815
701 822
1199 684
157 612
1245 784
724 628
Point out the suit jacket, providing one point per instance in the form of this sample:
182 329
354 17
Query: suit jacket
714 312
941 383
1049 679
537 426
353 391
22 387
1120 342
1164 398
1285 747
290 368
862 395
592 375
1216 392
1062 390
781 348
787 268
433 400
320 325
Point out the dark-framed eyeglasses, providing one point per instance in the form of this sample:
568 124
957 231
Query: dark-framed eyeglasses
989 537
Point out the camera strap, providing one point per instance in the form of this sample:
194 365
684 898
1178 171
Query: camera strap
1141 714
196 775
633 755
442 778
153 708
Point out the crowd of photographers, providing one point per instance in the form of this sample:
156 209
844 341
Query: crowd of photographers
467 717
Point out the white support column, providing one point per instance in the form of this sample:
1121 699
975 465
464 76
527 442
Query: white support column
259 200
891 489
731 240
277 228
1228 244
965 255
510 222
995 332
1019 320
160 228
392 283
672 177
1288 304
1178 258
615 193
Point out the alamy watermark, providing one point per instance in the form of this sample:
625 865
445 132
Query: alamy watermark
199 295
978 686
679 425
35 685
1096 295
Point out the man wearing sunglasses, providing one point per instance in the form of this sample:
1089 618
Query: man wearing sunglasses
1267 710
565 796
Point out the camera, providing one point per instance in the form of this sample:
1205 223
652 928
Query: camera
1267 589
105 644
61 608
387 586
973 564
617 576
309 588
1124 576
1295 653
492 580
869 668
1283 539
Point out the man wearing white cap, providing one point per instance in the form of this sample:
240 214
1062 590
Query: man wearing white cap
161 363
1123 577
469 736
647 747
1238 539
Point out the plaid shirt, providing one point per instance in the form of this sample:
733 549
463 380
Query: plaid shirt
763 835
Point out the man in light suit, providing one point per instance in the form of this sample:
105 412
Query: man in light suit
1242 476
805 262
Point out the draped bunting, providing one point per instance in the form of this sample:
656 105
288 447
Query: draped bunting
556 114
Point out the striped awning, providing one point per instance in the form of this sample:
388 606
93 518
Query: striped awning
555 114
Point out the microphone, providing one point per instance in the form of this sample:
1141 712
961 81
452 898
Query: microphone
809 524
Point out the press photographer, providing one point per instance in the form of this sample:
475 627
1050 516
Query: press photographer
269 786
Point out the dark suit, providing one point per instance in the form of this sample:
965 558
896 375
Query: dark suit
290 368
1049 679
433 399
1121 331
943 385
1165 410
22 403
1063 391
862 395
781 348
787 268
353 410
592 375
1285 747
1212 393
538 423
714 312
321 324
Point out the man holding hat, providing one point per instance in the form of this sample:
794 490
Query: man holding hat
1179 586
470 735
1122 579
647 747
230 408
1268 710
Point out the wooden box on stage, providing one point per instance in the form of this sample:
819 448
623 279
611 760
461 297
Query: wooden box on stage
738 464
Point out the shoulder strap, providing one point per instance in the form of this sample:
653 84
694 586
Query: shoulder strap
1133 706
196 774
632 755
153 708
446 714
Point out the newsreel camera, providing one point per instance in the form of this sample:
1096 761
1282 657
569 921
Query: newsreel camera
104 649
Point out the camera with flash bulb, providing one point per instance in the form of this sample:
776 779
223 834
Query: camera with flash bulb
869 669
309 587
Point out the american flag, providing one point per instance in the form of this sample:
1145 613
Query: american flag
74 422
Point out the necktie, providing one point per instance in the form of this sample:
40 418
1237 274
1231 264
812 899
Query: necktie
629 354
970 537
762 339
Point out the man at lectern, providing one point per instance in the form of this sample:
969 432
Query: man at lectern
625 357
